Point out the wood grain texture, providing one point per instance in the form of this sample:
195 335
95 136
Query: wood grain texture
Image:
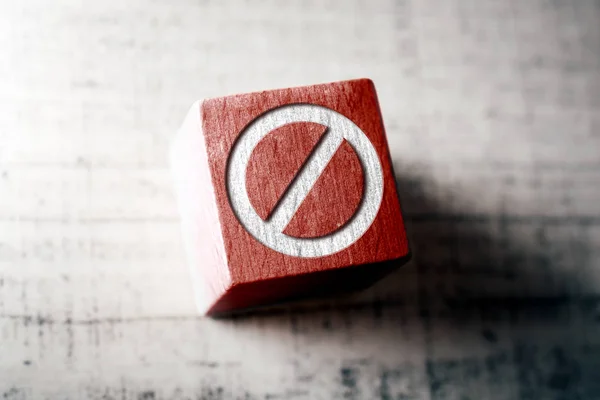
275 162
248 260
491 110
334 198
224 119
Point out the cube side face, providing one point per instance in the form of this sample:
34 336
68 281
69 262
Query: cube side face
226 120
200 224
253 295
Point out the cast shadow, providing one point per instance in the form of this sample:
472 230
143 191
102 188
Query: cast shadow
463 256
494 304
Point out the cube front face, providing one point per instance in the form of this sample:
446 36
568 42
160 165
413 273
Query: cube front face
302 180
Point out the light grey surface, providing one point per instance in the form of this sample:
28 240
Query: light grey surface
492 110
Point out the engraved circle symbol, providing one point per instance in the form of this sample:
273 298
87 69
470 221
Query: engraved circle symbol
270 232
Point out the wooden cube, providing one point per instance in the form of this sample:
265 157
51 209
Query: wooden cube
285 194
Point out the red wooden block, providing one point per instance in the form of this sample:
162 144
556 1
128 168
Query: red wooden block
286 193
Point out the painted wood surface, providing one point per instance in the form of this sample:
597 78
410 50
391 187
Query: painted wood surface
295 141
492 113
331 201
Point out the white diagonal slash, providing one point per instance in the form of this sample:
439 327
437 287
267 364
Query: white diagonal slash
306 179
270 233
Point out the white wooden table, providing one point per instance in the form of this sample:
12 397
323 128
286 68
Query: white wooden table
493 114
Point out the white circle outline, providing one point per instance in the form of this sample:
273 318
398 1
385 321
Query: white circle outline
264 231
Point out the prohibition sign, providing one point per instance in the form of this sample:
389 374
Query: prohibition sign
270 232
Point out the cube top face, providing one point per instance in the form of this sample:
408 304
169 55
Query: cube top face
303 180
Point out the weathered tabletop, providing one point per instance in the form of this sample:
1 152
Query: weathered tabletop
493 114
